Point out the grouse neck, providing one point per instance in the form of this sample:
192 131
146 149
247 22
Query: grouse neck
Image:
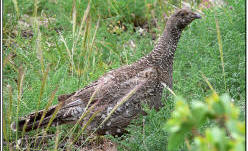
163 52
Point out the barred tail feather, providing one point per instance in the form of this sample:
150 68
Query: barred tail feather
64 114
32 121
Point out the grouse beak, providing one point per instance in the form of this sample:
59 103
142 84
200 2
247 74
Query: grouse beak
197 16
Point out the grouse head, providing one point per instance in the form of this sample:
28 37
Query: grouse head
183 17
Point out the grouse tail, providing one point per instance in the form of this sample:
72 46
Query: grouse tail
36 120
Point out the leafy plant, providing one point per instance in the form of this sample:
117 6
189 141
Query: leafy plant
226 133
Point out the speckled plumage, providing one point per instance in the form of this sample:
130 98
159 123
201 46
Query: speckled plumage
147 74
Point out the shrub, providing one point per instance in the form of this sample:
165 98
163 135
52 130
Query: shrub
226 131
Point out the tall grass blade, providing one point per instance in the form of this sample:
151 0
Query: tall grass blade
74 23
8 60
39 50
83 21
36 2
74 18
92 96
50 122
54 115
16 8
87 123
57 139
19 95
94 36
93 41
171 91
44 135
23 129
35 21
38 36
72 130
68 52
43 84
46 109
111 2
85 46
66 46
221 50
209 84
9 111
85 113
122 101
48 105
5 133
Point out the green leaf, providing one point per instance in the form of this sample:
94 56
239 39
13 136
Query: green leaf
238 145
175 140
225 98
199 111
217 137
218 108
236 128
231 110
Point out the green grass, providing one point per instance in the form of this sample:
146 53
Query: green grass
95 54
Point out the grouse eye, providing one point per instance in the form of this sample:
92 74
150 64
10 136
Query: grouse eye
183 14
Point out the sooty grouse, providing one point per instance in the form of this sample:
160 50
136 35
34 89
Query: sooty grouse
140 82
